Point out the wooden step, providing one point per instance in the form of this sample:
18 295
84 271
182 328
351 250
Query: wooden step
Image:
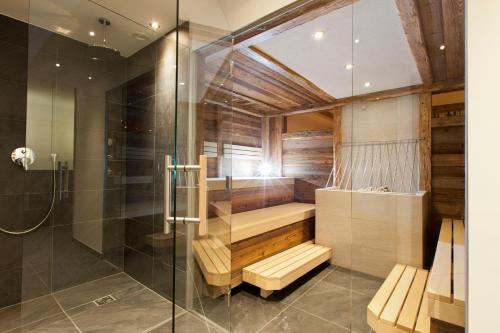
214 259
279 270
399 305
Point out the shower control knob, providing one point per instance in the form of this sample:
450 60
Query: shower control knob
23 156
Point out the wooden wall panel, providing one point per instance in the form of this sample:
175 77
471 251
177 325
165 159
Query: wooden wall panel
308 156
272 130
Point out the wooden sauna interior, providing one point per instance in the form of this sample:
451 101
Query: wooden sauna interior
290 146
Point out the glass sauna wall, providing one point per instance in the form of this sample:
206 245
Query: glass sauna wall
104 103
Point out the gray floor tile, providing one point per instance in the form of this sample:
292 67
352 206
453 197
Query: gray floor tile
336 304
28 312
56 324
295 321
136 313
359 282
187 323
87 292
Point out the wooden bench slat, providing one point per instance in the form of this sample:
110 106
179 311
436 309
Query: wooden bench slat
423 321
439 286
206 262
219 265
282 264
221 254
458 263
293 264
380 299
262 265
394 305
408 317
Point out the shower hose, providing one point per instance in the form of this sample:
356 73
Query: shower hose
22 232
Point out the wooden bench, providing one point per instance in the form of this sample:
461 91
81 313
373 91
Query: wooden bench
279 270
214 259
446 288
400 303
252 236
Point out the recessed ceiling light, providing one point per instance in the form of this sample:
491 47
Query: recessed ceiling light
140 36
94 58
349 66
58 64
92 33
63 31
367 84
90 77
356 41
319 35
442 47
154 24
181 83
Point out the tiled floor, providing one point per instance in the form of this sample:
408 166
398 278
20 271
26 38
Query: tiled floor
136 309
327 299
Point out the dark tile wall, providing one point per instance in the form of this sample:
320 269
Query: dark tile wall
83 238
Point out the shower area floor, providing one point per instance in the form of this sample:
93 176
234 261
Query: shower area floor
133 308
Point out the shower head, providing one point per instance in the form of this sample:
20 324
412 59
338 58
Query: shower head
103 50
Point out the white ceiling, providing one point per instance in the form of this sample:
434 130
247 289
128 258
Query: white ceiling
131 16
382 57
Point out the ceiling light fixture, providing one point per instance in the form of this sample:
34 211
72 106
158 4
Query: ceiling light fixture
349 66
181 83
92 33
356 41
442 47
154 24
367 84
90 77
58 64
320 34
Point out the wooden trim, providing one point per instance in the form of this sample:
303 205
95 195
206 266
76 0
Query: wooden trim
286 19
453 24
380 95
425 133
337 142
410 18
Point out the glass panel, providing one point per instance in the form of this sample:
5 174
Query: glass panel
88 82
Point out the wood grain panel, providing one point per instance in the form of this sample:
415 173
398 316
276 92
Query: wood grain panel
308 156
454 23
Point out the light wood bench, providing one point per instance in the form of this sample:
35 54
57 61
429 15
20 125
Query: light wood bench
214 260
446 288
400 303
279 270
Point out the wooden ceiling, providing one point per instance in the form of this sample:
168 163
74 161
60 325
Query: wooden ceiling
251 81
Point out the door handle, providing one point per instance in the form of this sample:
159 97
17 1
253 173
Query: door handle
202 200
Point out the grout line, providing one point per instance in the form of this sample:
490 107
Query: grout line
82 284
67 316
163 322
288 305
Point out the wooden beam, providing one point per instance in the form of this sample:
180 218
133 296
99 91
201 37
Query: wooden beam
286 19
425 131
380 95
408 11
232 108
266 60
337 144
233 93
453 23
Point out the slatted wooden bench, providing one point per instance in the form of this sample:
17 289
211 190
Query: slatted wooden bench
446 288
214 259
279 270
400 303
254 235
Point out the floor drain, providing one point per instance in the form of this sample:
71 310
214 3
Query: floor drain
104 300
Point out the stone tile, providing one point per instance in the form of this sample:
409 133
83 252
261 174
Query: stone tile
247 312
187 323
359 282
28 312
137 313
87 292
139 265
295 321
336 304
56 324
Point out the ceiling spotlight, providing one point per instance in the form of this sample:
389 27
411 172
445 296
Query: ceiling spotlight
319 35
442 47
356 41
181 83
90 77
349 66
58 64
92 33
154 24
367 84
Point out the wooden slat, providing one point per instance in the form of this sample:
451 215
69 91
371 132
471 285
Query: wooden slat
395 303
458 263
448 121
219 250
423 320
270 272
408 11
440 277
453 24
380 299
269 262
214 257
425 134
408 317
